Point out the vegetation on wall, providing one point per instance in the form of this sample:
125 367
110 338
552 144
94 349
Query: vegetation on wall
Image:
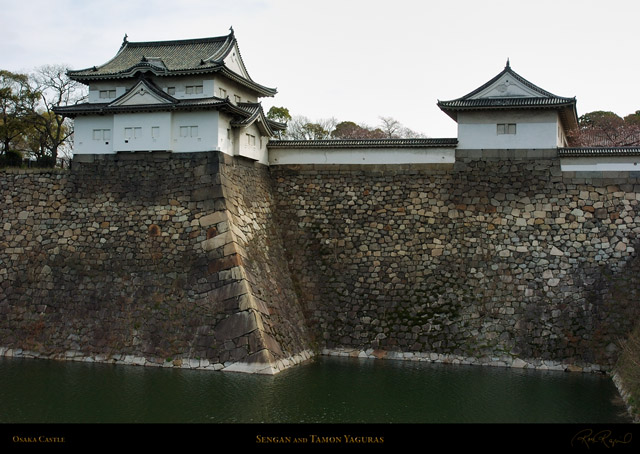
628 368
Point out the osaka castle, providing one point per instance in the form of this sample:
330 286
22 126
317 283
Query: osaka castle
176 96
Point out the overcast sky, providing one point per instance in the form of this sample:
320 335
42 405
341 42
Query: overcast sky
359 60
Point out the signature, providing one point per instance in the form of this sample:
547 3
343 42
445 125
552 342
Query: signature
587 438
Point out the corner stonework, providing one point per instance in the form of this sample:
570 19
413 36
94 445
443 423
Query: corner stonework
147 259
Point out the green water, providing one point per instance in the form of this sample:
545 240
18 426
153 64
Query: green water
325 390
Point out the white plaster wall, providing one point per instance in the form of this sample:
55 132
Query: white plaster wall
83 142
233 62
287 156
119 86
180 84
258 150
207 138
145 121
233 89
601 163
225 134
534 129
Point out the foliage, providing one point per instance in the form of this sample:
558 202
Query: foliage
28 123
279 114
17 102
393 129
606 129
11 158
628 367
350 130
302 128
56 89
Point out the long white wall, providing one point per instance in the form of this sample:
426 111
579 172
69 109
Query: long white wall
290 156
601 163
534 130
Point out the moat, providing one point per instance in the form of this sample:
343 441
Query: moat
324 390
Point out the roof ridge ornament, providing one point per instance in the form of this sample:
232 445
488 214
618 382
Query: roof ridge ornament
508 65
124 40
231 30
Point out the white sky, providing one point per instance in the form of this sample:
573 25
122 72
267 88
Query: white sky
359 60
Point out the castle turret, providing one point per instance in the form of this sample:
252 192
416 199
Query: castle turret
509 112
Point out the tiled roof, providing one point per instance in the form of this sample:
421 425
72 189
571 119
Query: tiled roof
170 58
244 114
586 152
364 143
106 108
507 102
543 100
256 113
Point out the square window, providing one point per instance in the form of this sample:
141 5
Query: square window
184 131
506 128
97 134
128 133
106 134
171 90
194 131
198 89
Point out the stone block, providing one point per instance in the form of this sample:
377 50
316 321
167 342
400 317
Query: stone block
217 241
208 193
228 291
235 326
213 218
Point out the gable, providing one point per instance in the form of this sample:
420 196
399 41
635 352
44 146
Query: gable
234 62
507 86
141 94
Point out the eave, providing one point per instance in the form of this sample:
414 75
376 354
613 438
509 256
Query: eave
598 152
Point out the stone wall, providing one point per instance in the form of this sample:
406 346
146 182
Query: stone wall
142 259
494 261
206 261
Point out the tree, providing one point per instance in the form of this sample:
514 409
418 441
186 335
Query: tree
606 129
393 129
301 128
281 115
28 123
56 89
350 130
17 103
390 127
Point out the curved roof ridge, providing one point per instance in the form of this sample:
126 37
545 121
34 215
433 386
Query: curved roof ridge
175 42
